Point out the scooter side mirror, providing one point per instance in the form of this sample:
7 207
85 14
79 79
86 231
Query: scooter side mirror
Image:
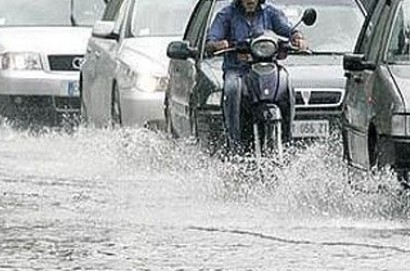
309 16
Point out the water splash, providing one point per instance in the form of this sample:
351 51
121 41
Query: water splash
313 182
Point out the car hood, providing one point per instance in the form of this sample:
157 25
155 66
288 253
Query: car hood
46 40
147 53
315 71
296 60
316 76
401 75
305 72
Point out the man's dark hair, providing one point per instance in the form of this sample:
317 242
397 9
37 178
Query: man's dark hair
238 2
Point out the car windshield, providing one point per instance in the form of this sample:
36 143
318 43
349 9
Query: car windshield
50 12
337 26
156 18
399 44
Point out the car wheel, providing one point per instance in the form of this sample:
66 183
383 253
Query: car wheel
116 117
169 127
83 108
403 176
193 135
364 180
374 150
356 178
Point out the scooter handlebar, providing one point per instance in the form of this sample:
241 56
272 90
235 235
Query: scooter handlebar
223 51
241 47
297 50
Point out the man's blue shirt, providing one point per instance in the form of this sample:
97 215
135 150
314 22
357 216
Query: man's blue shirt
230 24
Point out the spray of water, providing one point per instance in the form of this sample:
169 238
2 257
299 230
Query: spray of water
313 181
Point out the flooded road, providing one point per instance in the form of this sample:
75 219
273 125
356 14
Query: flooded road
133 200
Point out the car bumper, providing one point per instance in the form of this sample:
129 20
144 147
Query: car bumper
210 119
57 90
330 114
137 108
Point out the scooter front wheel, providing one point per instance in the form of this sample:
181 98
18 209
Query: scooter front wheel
273 139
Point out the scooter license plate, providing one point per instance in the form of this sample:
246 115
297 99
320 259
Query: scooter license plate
310 128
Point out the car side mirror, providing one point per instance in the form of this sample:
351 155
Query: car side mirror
104 29
181 50
357 62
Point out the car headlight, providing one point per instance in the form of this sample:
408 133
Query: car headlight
21 61
400 125
264 48
150 83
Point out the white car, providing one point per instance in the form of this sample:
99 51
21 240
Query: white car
125 73
42 44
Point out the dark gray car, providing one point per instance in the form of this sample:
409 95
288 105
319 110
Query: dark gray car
195 88
376 113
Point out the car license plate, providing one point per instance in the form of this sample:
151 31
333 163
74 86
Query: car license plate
72 88
310 128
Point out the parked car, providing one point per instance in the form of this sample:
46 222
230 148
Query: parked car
195 89
124 76
42 44
376 113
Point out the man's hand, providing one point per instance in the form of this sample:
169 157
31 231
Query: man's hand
213 46
297 40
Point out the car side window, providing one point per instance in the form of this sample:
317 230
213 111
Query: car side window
373 52
111 11
366 34
398 48
197 23
120 16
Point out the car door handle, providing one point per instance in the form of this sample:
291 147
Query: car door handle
357 78
97 54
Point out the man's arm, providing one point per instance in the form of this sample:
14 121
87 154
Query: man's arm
281 24
218 33
282 27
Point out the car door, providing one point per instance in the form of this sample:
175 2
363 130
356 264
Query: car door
106 66
183 72
360 87
99 66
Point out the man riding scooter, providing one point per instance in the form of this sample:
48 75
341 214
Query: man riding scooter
241 20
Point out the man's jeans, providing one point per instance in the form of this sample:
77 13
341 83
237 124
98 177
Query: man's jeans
233 88
233 85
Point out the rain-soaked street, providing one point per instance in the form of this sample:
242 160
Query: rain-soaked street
133 200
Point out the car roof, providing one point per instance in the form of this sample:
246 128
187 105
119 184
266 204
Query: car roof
369 5
321 2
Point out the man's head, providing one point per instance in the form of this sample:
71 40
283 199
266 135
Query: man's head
250 6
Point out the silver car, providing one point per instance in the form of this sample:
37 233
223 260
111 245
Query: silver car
376 112
124 76
42 44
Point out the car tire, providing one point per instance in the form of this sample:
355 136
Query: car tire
193 137
403 176
374 151
378 160
83 108
169 127
116 116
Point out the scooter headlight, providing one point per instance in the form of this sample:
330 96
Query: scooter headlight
264 48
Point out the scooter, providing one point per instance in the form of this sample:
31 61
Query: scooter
265 87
